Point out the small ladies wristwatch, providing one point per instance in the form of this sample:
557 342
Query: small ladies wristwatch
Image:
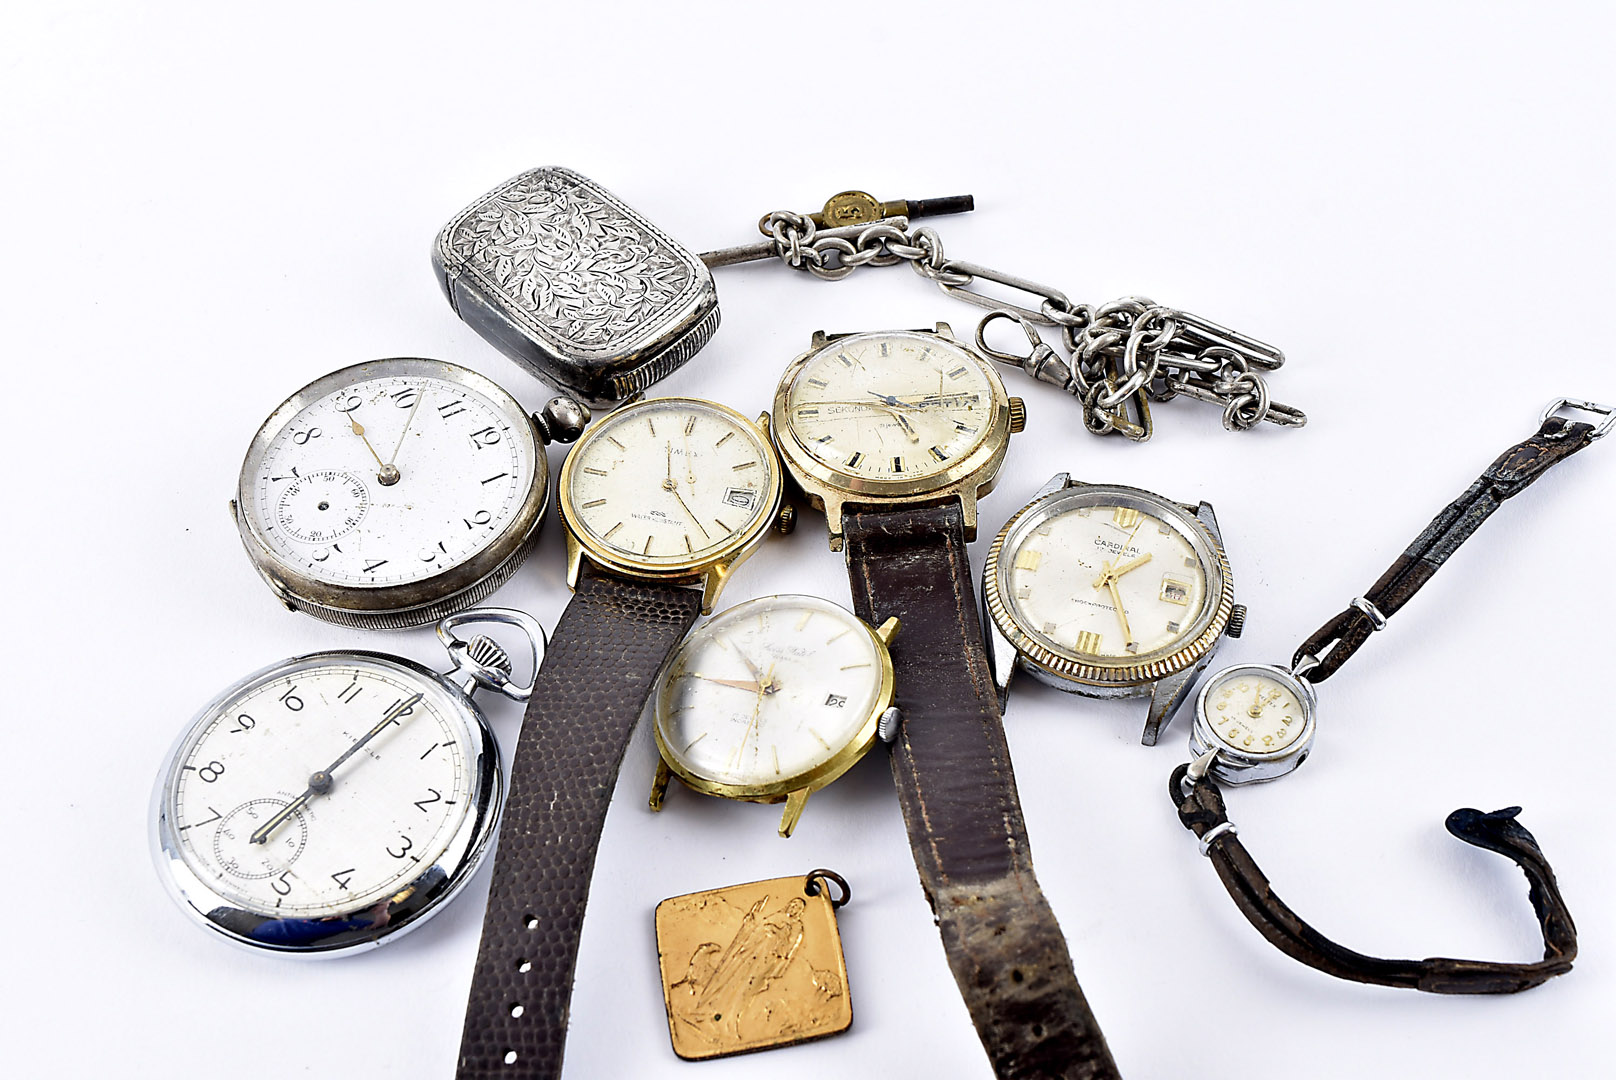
1257 722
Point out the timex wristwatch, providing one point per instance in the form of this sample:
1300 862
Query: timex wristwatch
895 435
1257 722
660 501
1109 591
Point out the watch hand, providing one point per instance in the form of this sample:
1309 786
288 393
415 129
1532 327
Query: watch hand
1110 581
321 780
690 467
671 486
406 430
1133 564
359 430
739 684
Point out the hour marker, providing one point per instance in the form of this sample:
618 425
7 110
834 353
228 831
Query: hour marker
957 372
1028 560
824 439
820 737
452 408
805 617
1191 563
1164 528
850 667
614 442
884 348
897 464
690 424
1088 642
938 453
960 425
843 358
728 435
687 544
694 741
723 526
818 382
805 411
647 550
592 471
745 465
1132 646
1173 627
1126 517
775 750
650 425
1024 592
839 634
858 456
1175 592
613 529
594 502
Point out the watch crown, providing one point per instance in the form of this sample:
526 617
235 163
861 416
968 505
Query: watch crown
1237 621
562 419
785 522
887 727
485 652
1018 415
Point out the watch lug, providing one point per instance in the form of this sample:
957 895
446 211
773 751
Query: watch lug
946 332
712 583
887 631
1059 482
763 422
1207 517
794 804
833 520
575 560
235 512
968 513
659 784
819 340
1166 698
1001 654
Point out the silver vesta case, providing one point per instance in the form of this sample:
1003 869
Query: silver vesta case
576 286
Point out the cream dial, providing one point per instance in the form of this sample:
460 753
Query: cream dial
891 406
1252 712
670 481
1107 579
769 691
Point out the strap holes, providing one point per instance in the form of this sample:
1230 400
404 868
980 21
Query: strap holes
510 1057
1038 1031
1016 976
517 1011
524 966
530 922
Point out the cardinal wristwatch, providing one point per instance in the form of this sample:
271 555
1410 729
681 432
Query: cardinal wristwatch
1109 591
896 435
1257 722
661 499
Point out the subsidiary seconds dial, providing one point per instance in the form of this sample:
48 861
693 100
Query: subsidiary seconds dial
393 492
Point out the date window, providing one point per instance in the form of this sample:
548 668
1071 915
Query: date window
745 498
835 701
1174 591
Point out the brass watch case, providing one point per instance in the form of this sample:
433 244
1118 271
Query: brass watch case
968 479
1103 672
710 571
792 790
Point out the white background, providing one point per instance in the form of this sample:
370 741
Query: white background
207 207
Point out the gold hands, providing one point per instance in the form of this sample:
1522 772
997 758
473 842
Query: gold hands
1122 613
739 684
382 467
1109 573
1259 702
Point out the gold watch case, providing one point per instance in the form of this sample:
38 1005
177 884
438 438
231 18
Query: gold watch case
969 478
710 570
793 789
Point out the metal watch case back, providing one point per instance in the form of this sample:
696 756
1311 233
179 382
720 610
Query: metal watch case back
576 286
1233 766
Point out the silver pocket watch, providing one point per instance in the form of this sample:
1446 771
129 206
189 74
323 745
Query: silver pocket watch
395 492
335 800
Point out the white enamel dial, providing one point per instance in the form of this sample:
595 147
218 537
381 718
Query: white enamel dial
768 691
1252 712
890 406
670 481
254 820
390 474
1107 578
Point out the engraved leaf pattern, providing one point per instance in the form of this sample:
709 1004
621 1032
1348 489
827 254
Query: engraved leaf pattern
571 261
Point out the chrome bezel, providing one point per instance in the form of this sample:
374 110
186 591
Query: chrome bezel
415 603
1097 675
1236 766
345 930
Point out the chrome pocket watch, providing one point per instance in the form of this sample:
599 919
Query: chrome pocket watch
773 699
334 800
394 492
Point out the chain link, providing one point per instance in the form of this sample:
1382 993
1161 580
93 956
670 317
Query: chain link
1124 354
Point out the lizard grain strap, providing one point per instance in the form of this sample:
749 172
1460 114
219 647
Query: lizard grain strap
600 666
958 794
1201 811
1334 642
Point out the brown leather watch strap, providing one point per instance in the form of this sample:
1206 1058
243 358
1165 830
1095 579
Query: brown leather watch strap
959 801
1200 809
598 670
1334 642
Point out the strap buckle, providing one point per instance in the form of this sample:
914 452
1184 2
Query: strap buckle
1593 407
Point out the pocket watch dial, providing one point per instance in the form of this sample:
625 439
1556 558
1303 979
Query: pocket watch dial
670 481
1108 578
268 813
891 406
769 691
1251 712
391 476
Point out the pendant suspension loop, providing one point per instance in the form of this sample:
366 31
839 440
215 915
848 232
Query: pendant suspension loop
821 879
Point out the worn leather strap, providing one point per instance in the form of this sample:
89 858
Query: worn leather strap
1201 811
1334 642
598 670
959 801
